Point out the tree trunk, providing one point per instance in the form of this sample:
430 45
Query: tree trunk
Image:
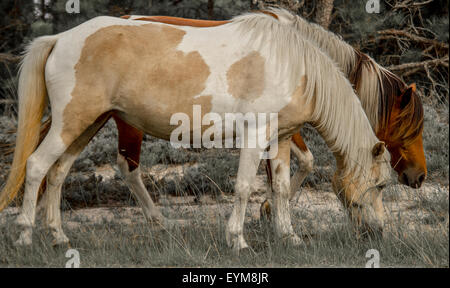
292 5
323 13
210 9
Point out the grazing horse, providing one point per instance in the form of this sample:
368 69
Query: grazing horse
142 73
394 109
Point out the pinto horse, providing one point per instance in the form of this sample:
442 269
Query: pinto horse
394 109
142 73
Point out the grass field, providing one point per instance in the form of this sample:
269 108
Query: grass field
108 230
416 236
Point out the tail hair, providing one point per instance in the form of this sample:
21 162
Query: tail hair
32 102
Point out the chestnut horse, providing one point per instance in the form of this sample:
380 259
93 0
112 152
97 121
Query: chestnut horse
143 73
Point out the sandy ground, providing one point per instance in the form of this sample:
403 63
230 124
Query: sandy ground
312 211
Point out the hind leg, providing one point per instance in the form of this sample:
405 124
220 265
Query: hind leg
36 168
130 140
55 180
38 164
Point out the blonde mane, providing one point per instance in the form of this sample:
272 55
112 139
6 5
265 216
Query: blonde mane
337 112
367 76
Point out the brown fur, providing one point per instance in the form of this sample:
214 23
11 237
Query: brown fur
246 77
130 140
298 141
180 21
400 122
184 77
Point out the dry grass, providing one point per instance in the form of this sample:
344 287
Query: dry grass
416 233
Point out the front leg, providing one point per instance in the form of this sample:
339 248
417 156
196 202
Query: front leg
306 163
306 166
248 166
281 192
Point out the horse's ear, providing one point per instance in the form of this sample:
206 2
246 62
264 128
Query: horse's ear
378 150
406 96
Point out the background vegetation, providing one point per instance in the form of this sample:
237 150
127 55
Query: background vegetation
411 38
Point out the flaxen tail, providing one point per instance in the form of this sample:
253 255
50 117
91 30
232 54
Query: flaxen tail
32 102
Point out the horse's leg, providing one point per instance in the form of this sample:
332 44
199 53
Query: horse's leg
55 180
248 166
280 198
38 164
306 163
306 166
130 140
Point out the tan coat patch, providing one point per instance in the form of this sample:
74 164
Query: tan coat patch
138 71
246 77
296 112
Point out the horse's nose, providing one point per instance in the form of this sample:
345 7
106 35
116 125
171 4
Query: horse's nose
420 179
412 179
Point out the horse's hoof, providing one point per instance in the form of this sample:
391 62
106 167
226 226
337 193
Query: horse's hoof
236 242
293 240
60 241
265 211
22 220
241 249
24 239
245 252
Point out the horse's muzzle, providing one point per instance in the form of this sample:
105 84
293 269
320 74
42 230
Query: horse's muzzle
412 178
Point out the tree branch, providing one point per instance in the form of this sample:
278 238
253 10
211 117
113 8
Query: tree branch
423 64
6 57
414 37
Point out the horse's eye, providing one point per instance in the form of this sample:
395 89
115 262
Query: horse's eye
381 187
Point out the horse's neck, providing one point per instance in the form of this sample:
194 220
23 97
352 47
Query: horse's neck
359 68
340 119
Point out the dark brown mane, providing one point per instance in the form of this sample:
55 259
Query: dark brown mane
408 124
361 61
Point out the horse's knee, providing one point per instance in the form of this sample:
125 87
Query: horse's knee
35 170
56 175
308 162
265 210
242 188
122 164
305 158
125 167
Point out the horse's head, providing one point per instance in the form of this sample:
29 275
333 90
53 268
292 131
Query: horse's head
361 194
403 137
